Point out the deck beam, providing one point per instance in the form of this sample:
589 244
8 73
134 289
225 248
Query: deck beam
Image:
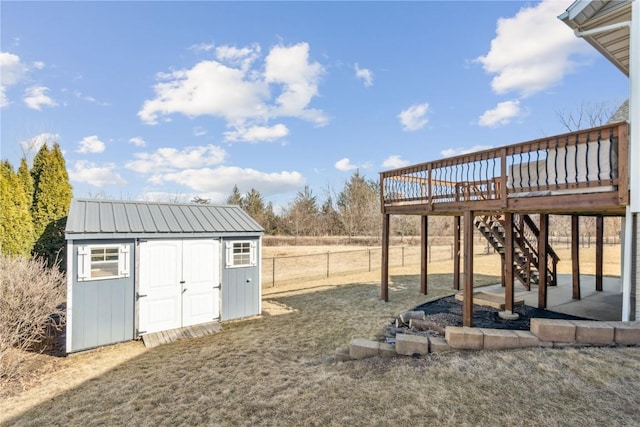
508 263
424 252
575 255
467 309
456 252
384 282
599 251
543 244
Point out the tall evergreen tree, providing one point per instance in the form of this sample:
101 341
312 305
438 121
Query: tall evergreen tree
26 180
271 220
358 206
24 175
302 214
330 219
16 229
51 199
254 205
39 163
235 198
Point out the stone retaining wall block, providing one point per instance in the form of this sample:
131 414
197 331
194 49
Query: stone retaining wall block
553 330
409 345
593 332
499 339
527 339
626 333
464 338
438 345
360 348
387 350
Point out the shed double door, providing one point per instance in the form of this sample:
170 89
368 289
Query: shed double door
179 283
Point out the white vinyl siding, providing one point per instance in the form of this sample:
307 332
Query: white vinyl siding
96 262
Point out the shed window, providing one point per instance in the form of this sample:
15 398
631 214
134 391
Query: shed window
241 254
103 262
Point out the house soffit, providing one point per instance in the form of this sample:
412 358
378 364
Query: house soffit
588 15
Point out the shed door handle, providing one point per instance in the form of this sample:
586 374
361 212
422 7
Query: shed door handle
182 282
138 296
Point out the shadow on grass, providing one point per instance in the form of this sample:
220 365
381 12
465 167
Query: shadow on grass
443 281
274 371
210 379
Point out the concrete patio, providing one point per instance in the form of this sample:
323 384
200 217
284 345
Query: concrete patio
605 305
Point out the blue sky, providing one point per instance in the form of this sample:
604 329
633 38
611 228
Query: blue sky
171 100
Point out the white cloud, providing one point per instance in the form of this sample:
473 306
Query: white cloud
345 165
199 131
532 50
12 70
138 141
414 117
209 88
168 159
201 47
33 145
394 162
242 57
365 74
35 97
450 152
96 175
233 89
501 115
257 133
290 67
90 144
38 65
84 97
223 178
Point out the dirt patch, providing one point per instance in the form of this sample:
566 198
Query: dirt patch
274 308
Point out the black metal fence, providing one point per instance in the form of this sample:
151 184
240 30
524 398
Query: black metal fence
281 270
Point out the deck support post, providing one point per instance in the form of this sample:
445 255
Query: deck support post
543 244
456 253
467 309
384 282
599 251
424 252
508 262
575 255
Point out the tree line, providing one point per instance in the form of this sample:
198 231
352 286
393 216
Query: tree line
34 205
353 211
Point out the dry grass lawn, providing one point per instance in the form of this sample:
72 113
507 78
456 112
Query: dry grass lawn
278 370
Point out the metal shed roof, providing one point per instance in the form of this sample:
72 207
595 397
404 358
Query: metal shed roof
104 219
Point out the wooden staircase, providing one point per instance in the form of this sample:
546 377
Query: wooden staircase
525 247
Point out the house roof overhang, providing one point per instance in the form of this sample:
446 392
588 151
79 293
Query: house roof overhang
605 25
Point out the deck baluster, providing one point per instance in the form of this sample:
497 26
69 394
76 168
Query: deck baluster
566 170
598 157
575 159
586 155
546 165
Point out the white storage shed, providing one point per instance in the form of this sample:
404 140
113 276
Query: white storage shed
141 267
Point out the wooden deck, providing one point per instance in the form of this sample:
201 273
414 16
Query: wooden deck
165 337
583 172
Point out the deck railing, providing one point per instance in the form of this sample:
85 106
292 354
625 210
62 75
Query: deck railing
592 160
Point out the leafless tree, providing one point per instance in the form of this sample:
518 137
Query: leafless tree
588 114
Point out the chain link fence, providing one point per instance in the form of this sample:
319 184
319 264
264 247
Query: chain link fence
286 269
